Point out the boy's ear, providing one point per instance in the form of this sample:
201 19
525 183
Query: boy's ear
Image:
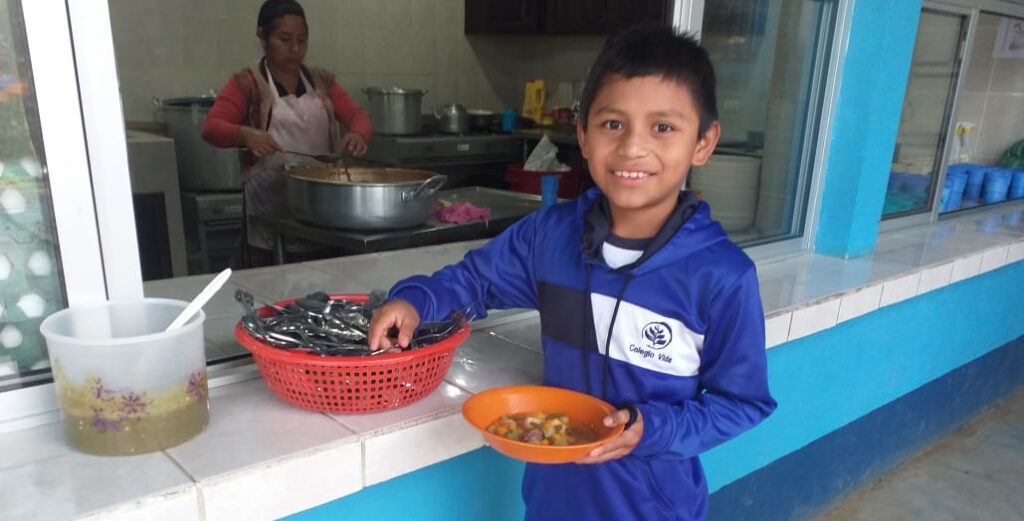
581 137
706 144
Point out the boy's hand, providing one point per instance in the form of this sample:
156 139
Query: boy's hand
397 314
620 446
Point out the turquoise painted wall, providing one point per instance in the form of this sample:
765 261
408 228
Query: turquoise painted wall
874 79
822 382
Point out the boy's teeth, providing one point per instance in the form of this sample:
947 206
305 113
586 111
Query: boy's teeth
632 175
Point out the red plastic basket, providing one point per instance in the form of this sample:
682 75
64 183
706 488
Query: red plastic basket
351 384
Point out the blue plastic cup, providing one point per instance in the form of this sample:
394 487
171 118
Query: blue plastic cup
508 120
997 185
549 189
975 180
1017 185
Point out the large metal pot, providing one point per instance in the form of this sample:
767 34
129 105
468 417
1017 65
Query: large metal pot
365 199
394 110
201 166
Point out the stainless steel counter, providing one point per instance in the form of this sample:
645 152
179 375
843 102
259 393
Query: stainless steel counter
506 208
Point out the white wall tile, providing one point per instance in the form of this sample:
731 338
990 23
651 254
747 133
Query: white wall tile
814 318
993 259
1015 252
396 453
860 302
285 486
935 278
181 505
965 267
776 328
899 289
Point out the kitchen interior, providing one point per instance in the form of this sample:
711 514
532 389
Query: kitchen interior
466 64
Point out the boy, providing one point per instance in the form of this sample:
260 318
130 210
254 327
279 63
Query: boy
643 300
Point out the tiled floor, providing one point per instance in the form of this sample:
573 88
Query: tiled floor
975 474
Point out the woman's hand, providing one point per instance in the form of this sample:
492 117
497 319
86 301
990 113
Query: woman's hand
395 314
354 144
622 445
257 141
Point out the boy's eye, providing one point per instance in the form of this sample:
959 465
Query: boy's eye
663 127
612 124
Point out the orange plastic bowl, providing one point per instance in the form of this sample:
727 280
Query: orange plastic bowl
481 410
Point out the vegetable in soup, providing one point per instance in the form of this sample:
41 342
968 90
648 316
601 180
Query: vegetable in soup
541 428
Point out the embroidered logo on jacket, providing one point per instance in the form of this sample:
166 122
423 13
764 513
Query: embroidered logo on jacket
657 335
646 339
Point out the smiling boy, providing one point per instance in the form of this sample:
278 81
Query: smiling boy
644 301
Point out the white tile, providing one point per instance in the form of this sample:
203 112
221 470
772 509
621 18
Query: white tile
965 267
1015 252
284 486
993 259
525 333
484 361
444 401
44 479
181 505
899 289
814 318
776 328
860 302
935 277
250 426
395 453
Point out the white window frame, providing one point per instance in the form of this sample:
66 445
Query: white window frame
75 87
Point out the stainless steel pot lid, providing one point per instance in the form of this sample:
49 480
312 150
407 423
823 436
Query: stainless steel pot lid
364 176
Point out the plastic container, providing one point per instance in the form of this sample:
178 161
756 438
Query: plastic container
549 189
508 120
1016 184
997 185
975 181
351 384
126 386
956 181
528 182
916 184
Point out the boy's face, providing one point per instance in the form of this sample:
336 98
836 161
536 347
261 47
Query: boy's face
640 141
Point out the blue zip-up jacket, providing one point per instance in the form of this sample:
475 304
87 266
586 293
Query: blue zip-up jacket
679 334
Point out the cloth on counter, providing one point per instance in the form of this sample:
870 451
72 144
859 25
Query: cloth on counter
455 213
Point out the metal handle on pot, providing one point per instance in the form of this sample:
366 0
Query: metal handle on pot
427 189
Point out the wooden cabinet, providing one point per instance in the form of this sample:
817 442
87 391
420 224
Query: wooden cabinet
562 16
503 16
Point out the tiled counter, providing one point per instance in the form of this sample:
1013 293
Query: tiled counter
262 459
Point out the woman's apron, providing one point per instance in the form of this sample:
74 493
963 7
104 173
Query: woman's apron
297 124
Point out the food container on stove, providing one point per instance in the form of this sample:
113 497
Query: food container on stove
124 384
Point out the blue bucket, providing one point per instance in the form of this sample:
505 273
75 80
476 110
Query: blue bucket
1017 185
997 185
975 181
956 180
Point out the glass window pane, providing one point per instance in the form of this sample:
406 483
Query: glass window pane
30 280
990 162
934 69
770 57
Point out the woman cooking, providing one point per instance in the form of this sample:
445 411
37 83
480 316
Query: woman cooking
276 105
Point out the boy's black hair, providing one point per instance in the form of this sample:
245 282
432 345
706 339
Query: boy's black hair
655 51
273 10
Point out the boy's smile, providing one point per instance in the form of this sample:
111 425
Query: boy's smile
640 141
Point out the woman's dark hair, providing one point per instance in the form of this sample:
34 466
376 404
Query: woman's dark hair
655 51
273 10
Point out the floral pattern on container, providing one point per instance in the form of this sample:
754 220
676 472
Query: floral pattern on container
102 419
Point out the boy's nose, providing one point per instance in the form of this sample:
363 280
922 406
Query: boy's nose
633 144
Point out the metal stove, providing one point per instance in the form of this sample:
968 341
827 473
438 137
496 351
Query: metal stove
472 159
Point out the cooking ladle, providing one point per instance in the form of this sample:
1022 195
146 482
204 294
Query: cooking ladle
327 158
